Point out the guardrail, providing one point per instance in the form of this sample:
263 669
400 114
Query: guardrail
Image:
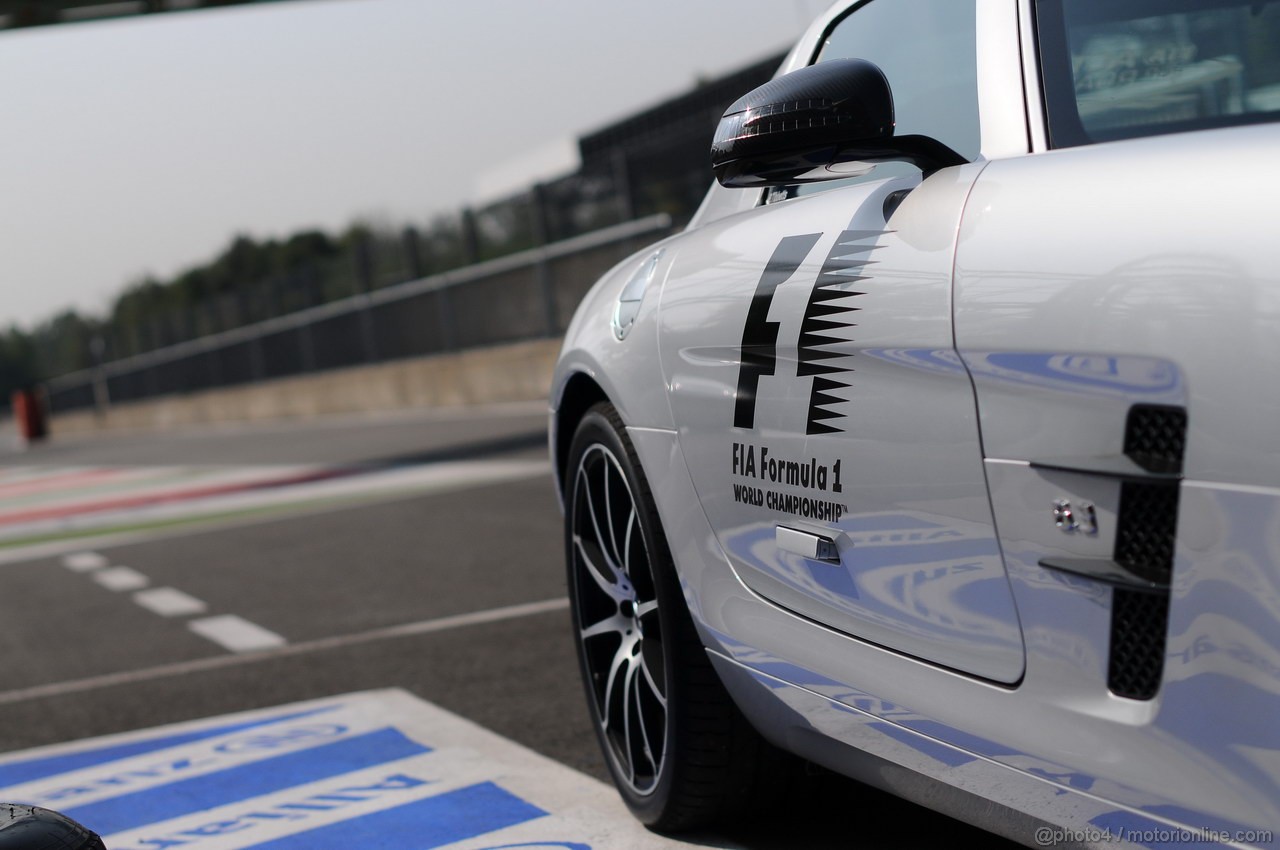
525 295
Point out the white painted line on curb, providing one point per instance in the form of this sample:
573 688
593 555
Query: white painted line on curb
121 579
236 633
83 562
182 668
169 602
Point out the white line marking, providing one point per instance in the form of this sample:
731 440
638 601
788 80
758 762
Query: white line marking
219 662
121 579
169 602
83 562
236 633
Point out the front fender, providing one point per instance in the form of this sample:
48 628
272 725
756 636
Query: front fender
596 364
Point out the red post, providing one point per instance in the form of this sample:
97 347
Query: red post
28 413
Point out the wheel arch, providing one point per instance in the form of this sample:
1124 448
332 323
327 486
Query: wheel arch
581 392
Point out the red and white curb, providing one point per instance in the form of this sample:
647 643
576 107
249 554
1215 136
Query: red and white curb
38 509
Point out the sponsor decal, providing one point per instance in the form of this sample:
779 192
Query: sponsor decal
182 797
377 769
757 462
822 359
16 770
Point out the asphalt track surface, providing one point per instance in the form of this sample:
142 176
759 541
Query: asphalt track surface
454 594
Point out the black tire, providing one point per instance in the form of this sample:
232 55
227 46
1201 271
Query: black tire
684 756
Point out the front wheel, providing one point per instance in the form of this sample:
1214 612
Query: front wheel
678 750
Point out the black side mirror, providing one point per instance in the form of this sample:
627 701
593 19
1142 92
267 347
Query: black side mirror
33 828
795 128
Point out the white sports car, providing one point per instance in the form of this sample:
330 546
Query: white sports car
941 448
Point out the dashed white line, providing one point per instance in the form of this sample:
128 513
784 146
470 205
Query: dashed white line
169 602
121 579
236 633
232 633
84 562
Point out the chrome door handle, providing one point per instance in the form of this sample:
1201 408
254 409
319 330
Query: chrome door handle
813 546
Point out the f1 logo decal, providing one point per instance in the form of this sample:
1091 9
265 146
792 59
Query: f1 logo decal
759 335
824 339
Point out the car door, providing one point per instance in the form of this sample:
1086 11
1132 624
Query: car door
825 418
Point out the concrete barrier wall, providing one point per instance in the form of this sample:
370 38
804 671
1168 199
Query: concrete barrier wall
518 371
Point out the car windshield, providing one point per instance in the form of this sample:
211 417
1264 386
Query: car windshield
1117 69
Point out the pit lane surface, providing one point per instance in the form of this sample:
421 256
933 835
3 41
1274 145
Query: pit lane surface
150 580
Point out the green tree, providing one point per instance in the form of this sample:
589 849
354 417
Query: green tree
17 362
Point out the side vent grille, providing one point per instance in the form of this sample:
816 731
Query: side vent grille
1146 527
1155 439
1138 623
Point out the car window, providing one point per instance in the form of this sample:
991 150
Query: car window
1116 69
928 52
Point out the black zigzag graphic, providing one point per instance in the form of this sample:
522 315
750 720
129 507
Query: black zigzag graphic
759 335
821 342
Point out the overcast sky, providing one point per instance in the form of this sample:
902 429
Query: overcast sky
140 145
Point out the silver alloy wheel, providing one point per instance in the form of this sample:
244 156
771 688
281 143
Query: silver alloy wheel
616 618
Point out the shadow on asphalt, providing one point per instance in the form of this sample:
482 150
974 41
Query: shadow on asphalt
465 451
832 812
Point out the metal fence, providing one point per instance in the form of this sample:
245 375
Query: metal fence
525 295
